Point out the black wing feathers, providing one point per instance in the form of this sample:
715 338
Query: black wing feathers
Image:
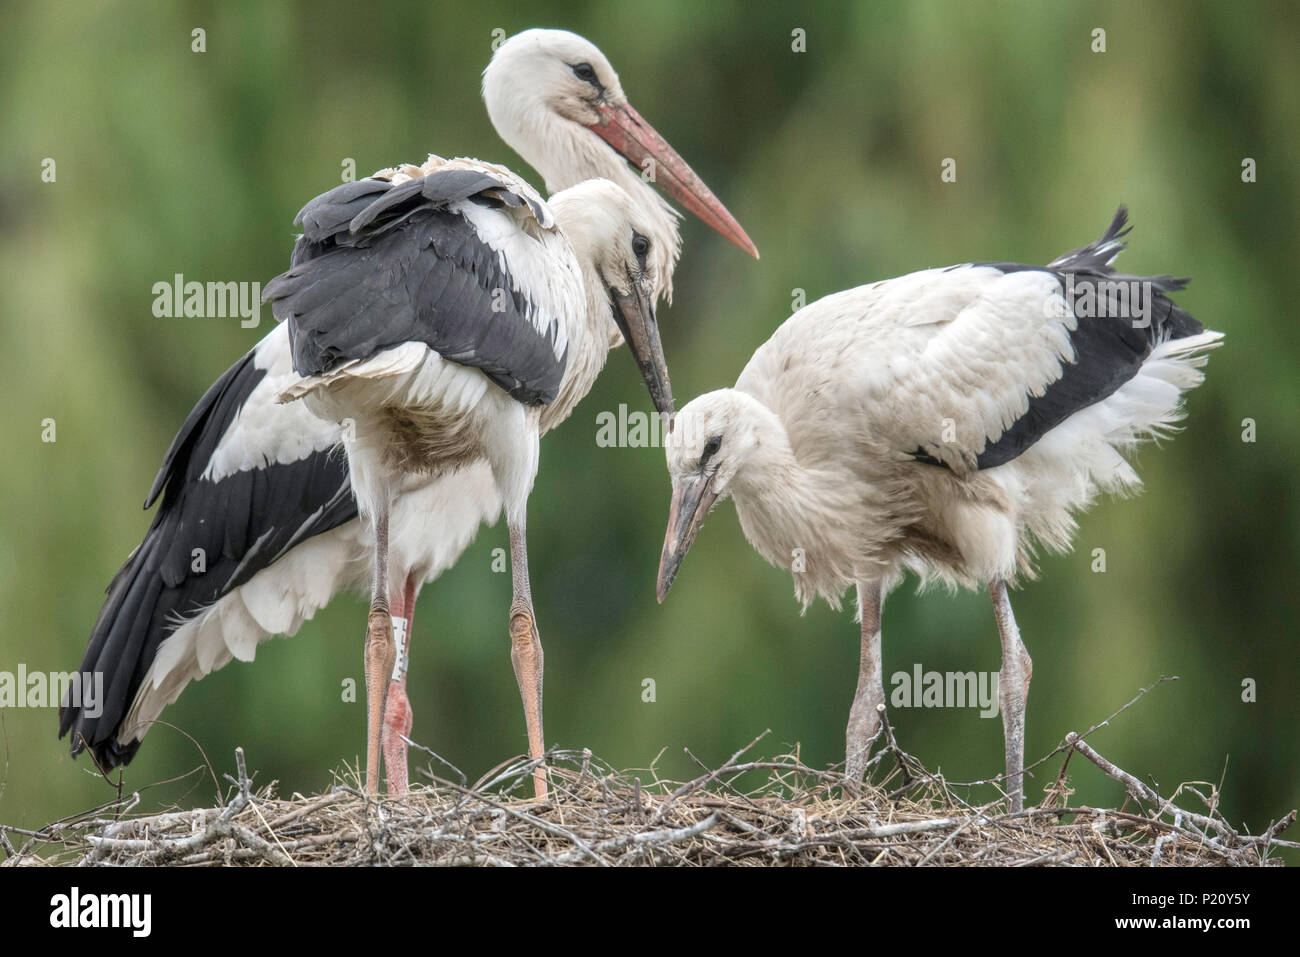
330 213
197 439
1107 353
1109 349
403 268
243 523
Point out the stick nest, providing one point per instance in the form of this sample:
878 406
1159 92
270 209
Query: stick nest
746 812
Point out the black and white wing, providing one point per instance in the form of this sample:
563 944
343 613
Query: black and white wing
1119 320
246 481
968 367
463 257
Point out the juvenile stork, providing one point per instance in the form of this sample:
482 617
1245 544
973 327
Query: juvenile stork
940 422
262 489
443 312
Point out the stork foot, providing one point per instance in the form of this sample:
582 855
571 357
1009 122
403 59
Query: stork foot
380 655
864 722
526 656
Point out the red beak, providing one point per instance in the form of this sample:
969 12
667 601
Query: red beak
636 141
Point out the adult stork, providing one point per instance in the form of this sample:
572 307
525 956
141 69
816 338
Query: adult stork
261 490
444 313
940 422
553 97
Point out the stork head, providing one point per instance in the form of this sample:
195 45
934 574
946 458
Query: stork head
622 265
548 71
711 442
554 98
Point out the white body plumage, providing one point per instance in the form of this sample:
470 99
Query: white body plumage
945 361
948 422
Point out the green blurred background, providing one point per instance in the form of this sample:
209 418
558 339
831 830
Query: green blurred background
171 162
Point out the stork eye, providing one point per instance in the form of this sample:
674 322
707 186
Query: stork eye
711 449
586 73
640 246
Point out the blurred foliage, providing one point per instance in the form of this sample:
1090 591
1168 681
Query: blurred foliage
175 162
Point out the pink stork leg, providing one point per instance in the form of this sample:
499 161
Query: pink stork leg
397 711
526 650
380 653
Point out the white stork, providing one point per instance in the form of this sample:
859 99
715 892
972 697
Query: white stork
445 312
940 422
262 490
548 119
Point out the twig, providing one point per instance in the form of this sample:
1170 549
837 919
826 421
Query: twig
705 779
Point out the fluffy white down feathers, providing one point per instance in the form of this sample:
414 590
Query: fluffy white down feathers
819 435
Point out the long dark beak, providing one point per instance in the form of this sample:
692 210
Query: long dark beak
636 140
692 499
635 315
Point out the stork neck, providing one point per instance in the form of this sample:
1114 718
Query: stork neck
566 153
770 460
589 344
790 512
